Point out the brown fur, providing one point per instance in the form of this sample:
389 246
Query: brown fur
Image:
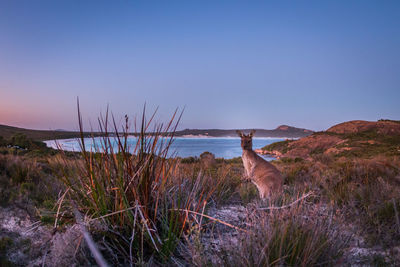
263 174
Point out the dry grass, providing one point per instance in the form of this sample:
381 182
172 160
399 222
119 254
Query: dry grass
362 189
300 234
27 182
144 207
352 197
222 179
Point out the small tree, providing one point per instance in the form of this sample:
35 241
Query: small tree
20 140
3 141
207 159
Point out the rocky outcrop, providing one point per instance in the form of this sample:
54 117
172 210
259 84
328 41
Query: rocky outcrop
274 153
343 137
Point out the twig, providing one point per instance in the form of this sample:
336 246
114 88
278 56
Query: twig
148 230
133 234
288 205
44 259
211 218
113 213
202 212
37 225
59 206
397 214
34 223
79 244
92 246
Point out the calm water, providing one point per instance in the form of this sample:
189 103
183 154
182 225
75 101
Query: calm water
184 147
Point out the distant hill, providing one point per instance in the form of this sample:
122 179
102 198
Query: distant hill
353 138
41 135
281 131
38 135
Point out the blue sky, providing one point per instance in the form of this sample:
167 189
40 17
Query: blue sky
232 64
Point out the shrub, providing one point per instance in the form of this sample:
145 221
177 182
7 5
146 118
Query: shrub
5 244
207 159
281 146
18 172
3 142
295 236
248 192
26 181
189 160
20 140
365 191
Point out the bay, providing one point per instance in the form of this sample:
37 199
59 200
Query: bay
221 147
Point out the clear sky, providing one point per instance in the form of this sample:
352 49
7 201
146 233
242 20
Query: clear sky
233 64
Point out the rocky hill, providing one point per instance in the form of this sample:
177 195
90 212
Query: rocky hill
353 138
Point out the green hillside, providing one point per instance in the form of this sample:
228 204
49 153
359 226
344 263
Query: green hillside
39 135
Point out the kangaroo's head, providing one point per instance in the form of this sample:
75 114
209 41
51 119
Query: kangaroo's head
246 140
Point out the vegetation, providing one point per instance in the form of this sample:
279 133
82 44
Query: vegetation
5 244
3 142
367 143
281 146
136 194
352 199
396 121
20 144
38 135
142 207
26 181
284 238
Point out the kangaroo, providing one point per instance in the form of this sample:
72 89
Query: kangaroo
263 174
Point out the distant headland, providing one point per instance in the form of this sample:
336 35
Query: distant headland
284 131
280 131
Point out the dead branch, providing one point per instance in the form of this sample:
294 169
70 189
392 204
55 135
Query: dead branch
211 218
288 205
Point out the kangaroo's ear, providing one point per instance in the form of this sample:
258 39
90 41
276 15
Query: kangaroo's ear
239 133
252 133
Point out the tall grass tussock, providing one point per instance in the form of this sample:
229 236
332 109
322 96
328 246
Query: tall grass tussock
133 192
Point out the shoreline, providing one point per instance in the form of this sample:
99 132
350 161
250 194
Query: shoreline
184 137
272 154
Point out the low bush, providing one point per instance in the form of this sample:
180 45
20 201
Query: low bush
26 181
286 237
281 146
